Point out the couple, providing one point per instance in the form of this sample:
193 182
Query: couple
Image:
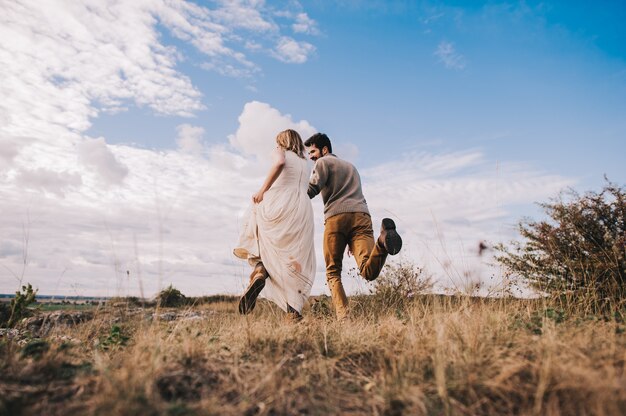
277 234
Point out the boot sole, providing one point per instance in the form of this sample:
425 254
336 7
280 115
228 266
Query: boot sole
248 300
393 241
293 314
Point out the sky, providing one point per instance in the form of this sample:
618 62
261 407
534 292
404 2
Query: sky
133 133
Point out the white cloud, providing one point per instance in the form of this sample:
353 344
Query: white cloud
247 14
8 249
259 123
47 180
175 217
448 55
346 150
291 51
433 17
445 204
304 24
9 148
189 138
229 70
98 157
253 46
59 62
83 57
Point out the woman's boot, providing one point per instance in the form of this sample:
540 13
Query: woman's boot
257 283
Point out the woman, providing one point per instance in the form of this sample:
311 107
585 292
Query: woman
277 235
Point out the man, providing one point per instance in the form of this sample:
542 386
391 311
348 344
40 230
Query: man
347 221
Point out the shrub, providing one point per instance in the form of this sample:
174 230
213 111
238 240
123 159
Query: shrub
321 306
398 283
170 297
208 300
19 306
128 301
580 249
5 313
116 338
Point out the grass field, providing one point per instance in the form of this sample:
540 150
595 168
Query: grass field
430 355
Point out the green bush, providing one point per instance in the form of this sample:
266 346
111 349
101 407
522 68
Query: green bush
18 309
580 249
115 338
170 297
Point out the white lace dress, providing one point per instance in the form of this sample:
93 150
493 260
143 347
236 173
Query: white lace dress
279 232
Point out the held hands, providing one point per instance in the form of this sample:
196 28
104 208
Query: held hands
258 197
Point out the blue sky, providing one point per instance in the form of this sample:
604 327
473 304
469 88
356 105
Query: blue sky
535 81
133 133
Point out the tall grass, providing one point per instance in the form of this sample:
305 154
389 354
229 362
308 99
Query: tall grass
435 355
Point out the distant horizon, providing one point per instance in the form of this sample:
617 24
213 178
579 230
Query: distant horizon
38 296
448 292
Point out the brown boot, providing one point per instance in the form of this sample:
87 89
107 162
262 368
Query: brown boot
389 237
293 315
257 283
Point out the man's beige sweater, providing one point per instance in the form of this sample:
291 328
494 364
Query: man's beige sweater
340 185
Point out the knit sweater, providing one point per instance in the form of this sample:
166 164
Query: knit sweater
340 185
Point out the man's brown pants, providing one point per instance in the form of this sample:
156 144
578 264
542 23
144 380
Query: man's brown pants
352 229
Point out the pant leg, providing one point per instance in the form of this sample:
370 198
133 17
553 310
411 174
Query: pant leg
335 240
370 258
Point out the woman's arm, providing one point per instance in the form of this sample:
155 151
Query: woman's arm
277 167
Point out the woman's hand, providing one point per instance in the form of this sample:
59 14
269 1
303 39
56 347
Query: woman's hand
273 174
258 197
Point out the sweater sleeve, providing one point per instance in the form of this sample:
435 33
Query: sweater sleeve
318 179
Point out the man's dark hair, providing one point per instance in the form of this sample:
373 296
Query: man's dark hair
319 140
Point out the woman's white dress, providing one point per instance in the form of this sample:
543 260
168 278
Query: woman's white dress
279 232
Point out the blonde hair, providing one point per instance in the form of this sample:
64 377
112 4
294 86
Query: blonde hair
290 140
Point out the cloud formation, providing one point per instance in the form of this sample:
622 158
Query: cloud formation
304 24
446 204
448 55
291 51
95 218
85 57
175 217
96 155
189 139
47 181
94 209
9 149
258 125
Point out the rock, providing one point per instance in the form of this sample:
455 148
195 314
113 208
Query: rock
9 333
166 316
65 339
42 324
191 316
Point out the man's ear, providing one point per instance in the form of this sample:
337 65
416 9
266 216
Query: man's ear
325 151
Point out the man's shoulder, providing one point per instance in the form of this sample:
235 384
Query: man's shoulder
333 160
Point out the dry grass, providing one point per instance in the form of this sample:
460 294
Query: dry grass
435 355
